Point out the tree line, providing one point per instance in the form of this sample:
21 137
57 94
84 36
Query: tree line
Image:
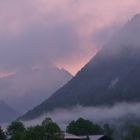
49 130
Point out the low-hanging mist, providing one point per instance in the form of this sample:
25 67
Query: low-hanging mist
113 115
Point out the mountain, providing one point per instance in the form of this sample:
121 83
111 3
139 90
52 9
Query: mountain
40 84
7 113
112 76
29 86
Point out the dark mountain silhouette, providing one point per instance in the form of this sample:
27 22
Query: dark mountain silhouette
112 76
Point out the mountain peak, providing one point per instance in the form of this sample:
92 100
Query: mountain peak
66 72
134 22
112 76
136 17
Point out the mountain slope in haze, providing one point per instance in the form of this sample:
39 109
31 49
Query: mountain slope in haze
41 84
7 113
112 76
29 86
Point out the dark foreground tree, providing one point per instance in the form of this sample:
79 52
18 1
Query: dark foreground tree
15 130
52 130
2 134
49 130
108 131
84 127
34 133
133 133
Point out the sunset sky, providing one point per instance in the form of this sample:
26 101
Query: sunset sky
66 33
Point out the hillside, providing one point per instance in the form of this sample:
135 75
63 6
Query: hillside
7 113
28 87
112 76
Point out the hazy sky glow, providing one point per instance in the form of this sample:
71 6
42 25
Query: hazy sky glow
65 32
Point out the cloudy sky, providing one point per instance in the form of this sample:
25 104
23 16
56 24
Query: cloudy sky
66 33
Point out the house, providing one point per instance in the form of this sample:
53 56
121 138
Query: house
99 137
68 136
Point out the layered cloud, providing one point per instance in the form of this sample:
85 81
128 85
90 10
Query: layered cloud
117 114
67 32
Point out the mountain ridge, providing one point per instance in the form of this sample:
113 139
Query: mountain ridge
31 85
7 113
111 76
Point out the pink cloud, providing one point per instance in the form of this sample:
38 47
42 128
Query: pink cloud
86 16
6 74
